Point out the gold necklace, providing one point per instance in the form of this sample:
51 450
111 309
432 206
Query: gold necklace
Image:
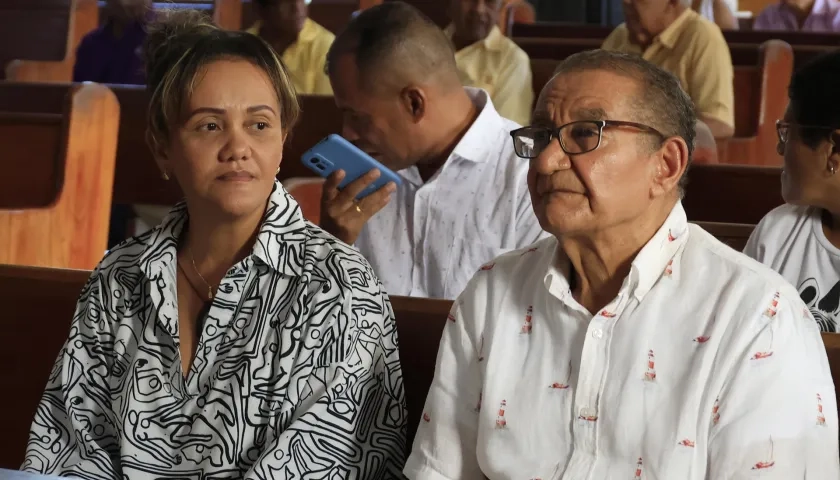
209 288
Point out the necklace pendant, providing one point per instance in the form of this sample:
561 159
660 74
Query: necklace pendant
209 293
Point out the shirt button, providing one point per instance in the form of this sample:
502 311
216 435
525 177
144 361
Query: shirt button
597 333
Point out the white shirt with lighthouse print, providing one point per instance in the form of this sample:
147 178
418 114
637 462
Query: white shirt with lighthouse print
707 365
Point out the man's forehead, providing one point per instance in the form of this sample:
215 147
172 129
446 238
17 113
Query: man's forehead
589 95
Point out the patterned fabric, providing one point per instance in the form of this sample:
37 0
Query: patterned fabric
707 365
431 237
791 241
296 371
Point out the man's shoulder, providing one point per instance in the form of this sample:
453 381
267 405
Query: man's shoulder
321 34
784 217
729 267
700 32
512 265
618 39
511 51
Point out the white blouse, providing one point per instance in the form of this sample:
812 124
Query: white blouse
296 370
707 365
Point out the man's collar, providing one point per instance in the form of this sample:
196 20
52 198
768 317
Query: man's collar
650 264
493 41
280 243
668 37
476 144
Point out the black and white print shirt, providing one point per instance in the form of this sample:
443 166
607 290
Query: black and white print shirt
296 374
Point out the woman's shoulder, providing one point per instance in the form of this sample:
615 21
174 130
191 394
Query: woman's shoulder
335 259
784 218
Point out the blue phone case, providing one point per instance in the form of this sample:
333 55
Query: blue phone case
334 153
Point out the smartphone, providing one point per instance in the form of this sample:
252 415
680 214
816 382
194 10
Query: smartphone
335 153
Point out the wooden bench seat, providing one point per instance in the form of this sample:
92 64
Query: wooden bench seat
55 194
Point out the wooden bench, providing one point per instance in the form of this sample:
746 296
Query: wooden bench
760 97
38 38
732 193
40 304
571 30
38 309
55 193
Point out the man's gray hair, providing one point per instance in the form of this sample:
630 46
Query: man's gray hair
661 103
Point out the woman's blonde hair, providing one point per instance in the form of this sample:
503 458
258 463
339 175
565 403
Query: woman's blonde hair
179 44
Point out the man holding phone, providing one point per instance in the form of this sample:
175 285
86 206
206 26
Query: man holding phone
463 199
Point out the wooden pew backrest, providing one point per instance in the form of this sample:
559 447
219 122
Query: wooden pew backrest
38 309
420 323
34 146
732 193
57 29
71 230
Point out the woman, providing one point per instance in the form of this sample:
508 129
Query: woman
801 240
234 340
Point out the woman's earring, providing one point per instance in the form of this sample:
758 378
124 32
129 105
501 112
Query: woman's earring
165 175
832 169
277 172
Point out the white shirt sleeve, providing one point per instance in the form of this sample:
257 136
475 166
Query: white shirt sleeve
445 445
777 412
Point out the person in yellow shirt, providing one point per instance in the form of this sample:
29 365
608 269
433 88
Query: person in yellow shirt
669 34
487 59
302 43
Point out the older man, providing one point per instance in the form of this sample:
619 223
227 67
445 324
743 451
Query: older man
302 43
463 199
489 60
671 35
630 344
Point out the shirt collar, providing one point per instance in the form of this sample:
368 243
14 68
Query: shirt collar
494 41
280 244
478 143
645 270
668 37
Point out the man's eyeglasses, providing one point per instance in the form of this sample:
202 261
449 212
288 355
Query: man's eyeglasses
783 129
575 137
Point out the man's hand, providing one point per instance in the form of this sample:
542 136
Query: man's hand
341 214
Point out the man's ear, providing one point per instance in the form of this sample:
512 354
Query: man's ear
671 162
414 102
